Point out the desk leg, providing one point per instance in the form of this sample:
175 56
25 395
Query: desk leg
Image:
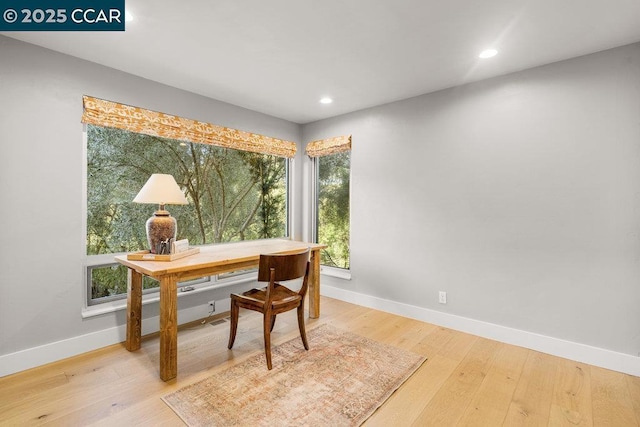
168 328
134 310
314 285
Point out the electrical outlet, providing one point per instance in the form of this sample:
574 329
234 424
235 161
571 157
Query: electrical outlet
442 297
212 306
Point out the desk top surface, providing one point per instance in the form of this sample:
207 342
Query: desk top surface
211 256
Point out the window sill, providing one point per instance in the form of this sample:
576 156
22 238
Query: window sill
335 272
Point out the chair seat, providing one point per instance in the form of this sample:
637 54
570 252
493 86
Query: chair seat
281 296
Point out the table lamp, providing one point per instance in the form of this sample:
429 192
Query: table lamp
163 190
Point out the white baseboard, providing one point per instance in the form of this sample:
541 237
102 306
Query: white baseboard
41 355
608 359
52 352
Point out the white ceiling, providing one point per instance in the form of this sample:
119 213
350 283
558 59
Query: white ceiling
280 57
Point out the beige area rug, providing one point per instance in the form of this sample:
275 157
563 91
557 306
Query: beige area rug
340 381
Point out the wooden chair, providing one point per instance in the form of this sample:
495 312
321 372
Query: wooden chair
275 298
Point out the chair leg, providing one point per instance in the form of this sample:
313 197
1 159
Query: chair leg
234 323
303 333
267 338
273 322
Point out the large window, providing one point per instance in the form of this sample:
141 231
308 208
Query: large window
233 195
332 173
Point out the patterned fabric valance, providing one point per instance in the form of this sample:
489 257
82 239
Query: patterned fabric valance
324 147
112 114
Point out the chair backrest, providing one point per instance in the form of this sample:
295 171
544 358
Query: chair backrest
285 266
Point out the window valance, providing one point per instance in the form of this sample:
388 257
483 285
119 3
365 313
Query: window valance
112 114
324 147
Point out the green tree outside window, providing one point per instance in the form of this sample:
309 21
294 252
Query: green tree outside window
333 208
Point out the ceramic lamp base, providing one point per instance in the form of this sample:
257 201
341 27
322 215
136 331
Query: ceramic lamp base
160 228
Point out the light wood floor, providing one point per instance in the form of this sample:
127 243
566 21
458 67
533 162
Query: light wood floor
466 380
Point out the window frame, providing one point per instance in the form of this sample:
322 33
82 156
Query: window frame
98 306
342 273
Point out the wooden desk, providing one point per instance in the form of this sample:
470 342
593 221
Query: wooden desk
212 259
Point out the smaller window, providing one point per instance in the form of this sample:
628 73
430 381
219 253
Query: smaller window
108 282
332 208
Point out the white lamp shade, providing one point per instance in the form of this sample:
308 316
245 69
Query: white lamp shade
161 189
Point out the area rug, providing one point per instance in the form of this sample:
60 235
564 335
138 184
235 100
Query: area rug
340 381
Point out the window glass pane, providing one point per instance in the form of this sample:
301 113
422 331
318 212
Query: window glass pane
333 208
110 281
237 273
233 195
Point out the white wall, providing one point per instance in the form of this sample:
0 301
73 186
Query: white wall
519 196
42 258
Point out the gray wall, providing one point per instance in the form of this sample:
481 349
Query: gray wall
519 196
41 183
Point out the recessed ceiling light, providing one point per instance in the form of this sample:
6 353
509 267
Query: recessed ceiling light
326 100
128 17
488 53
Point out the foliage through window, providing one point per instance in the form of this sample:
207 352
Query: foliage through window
233 195
332 206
